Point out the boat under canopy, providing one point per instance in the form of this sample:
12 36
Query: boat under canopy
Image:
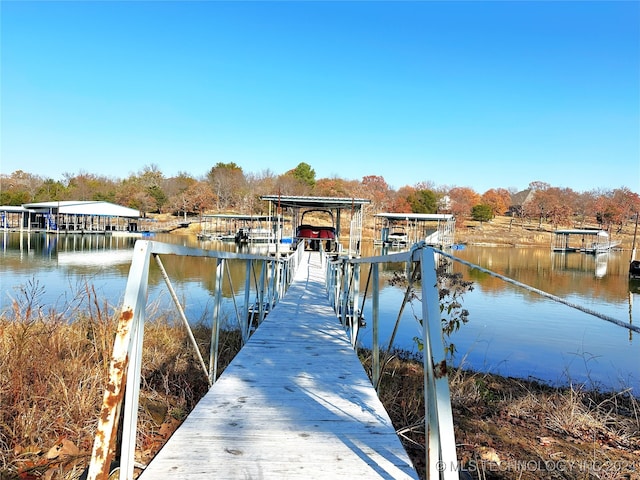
312 228
400 229
582 240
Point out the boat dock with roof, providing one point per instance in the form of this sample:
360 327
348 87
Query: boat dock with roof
401 229
71 216
582 240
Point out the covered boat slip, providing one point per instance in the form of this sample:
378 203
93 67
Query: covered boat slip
244 228
70 217
314 229
400 229
294 403
582 240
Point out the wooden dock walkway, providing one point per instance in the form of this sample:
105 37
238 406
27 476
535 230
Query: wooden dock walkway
294 403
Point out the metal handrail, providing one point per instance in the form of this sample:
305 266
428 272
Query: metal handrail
342 285
275 274
123 383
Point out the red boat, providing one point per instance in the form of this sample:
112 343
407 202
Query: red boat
314 234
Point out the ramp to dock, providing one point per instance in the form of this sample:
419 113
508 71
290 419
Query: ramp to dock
294 403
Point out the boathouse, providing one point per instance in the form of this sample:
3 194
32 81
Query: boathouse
585 241
241 228
70 216
399 229
311 225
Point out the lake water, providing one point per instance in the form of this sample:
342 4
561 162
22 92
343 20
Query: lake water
511 331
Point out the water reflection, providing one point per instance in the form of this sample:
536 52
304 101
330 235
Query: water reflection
511 331
579 262
62 267
518 332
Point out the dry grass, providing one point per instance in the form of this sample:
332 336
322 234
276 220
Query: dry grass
53 369
510 428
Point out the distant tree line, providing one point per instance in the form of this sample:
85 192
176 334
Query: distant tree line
227 188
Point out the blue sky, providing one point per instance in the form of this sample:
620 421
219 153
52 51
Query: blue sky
474 94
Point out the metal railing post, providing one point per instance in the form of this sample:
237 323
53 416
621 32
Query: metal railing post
375 306
260 287
355 305
344 293
215 325
439 434
125 364
246 325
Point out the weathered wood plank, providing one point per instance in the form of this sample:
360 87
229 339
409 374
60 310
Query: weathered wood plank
294 403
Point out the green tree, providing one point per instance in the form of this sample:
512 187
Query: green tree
50 190
423 201
155 191
304 173
482 212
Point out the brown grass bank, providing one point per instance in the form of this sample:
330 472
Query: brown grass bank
53 369
509 428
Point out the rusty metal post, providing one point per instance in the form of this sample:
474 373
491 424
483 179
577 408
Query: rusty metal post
131 319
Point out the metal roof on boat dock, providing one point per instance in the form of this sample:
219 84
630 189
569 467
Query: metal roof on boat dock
234 216
415 216
602 233
85 207
293 201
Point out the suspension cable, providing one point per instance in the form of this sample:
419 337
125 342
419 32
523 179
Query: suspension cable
602 316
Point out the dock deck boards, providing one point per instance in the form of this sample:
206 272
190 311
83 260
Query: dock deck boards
294 403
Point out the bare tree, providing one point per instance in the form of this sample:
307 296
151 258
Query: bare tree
228 184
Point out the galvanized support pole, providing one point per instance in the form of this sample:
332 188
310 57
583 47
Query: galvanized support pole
441 446
272 284
247 295
339 277
233 297
260 287
375 307
344 293
131 318
355 303
215 325
280 269
183 317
